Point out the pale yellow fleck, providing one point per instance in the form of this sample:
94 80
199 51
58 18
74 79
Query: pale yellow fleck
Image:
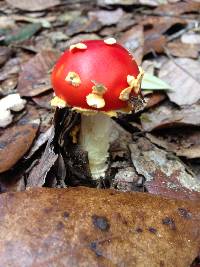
85 111
131 80
95 101
73 78
135 83
125 94
138 81
110 113
58 102
80 46
74 133
110 41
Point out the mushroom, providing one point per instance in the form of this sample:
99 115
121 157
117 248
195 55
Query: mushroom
99 79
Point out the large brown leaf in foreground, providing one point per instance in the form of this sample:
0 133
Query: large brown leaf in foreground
90 227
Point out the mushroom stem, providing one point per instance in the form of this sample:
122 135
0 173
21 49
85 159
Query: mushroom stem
94 138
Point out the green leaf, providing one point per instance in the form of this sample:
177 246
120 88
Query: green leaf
22 34
151 82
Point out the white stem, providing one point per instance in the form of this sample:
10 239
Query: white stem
94 138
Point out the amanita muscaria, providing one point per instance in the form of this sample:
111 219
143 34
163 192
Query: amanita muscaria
99 79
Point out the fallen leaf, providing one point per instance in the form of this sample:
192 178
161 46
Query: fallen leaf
40 141
177 8
133 40
153 42
190 38
21 34
35 78
43 100
117 2
179 49
82 24
167 115
11 67
8 86
38 174
91 227
164 171
151 82
183 142
125 22
16 140
35 5
155 28
107 17
182 74
5 53
154 99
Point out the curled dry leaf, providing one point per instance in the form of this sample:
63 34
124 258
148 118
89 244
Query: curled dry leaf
133 40
155 29
167 115
183 76
177 8
179 49
17 139
34 78
33 5
91 227
154 99
184 142
165 174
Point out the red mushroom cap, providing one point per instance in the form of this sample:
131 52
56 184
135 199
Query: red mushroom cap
93 74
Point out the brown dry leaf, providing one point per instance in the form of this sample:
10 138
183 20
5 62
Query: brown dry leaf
177 8
182 75
35 5
35 78
183 142
4 54
153 42
133 40
165 174
107 17
38 174
83 24
154 99
11 67
167 115
43 100
89 227
179 49
155 27
16 140
160 24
